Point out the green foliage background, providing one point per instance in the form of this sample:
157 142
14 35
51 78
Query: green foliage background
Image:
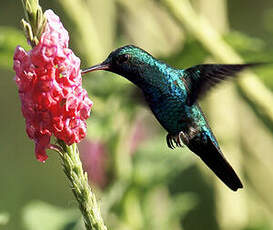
155 187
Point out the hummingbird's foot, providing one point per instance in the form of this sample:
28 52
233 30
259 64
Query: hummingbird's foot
184 138
177 140
169 140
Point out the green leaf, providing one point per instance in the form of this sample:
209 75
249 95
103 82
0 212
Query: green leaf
182 203
9 39
259 226
191 53
155 164
165 211
4 218
243 43
253 50
43 216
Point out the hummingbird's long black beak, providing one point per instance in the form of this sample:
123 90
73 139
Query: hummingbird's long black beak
102 66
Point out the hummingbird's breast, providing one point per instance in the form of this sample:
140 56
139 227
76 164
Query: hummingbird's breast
168 103
166 92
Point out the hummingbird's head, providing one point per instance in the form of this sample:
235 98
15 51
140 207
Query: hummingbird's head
128 61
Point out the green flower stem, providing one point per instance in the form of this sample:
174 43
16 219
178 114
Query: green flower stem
35 21
33 27
253 90
79 182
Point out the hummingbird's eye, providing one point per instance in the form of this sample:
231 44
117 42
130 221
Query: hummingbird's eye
123 58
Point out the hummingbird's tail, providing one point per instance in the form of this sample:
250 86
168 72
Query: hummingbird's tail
211 154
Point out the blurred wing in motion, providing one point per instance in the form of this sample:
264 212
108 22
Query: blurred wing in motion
201 78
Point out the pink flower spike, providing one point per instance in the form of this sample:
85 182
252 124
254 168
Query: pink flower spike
50 88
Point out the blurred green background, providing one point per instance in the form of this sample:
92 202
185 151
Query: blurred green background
140 183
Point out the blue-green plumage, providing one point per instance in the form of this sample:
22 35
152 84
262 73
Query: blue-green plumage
172 96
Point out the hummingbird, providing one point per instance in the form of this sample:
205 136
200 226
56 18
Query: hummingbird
172 96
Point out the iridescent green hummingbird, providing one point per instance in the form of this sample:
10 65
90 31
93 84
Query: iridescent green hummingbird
172 96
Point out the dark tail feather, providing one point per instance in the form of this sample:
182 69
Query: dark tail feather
215 160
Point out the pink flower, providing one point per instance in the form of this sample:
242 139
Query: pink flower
50 88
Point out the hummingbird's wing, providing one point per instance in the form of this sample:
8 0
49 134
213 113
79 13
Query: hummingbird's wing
201 78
